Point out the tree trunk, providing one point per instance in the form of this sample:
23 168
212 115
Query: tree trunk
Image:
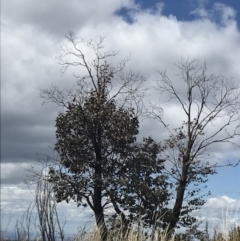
179 200
97 202
101 223
125 223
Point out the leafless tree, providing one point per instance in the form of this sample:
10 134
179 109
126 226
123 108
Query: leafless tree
24 227
49 224
211 105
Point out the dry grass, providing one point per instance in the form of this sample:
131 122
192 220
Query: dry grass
134 235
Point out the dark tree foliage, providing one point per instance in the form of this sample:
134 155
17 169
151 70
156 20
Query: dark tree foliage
142 186
101 164
91 139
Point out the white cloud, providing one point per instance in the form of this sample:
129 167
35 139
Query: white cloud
16 200
32 37
220 13
222 213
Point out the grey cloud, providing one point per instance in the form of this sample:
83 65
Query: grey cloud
15 176
59 17
155 42
24 134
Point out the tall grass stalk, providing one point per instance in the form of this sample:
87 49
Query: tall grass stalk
228 231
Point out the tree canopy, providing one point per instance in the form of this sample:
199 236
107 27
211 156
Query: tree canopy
211 107
102 165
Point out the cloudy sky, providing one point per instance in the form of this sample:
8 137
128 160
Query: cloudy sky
156 33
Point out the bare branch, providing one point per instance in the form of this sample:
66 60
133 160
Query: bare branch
212 108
